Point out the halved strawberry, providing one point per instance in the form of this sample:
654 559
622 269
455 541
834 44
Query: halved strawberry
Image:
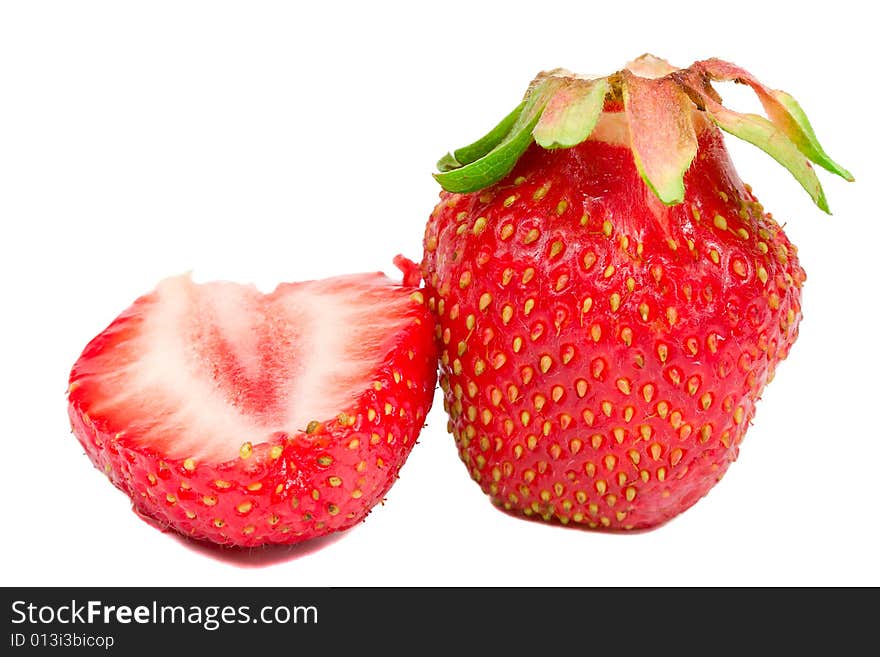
243 418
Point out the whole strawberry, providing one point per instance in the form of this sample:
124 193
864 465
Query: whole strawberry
244 419
611 300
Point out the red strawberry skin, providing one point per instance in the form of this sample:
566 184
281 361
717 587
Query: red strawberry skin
284 487
601 353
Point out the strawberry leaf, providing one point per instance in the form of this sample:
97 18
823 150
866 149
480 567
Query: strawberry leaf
650 66
772 140
782 109
571 114
501 158
807 142
470 153
662 134
489 169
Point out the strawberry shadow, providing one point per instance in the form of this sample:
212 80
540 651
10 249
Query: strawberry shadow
585 528
245 557
256 557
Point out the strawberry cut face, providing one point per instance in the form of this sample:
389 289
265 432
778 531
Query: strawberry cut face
276 396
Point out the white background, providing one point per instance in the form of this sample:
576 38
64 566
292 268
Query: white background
261 142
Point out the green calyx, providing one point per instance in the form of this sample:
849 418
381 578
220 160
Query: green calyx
561 110
490 158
